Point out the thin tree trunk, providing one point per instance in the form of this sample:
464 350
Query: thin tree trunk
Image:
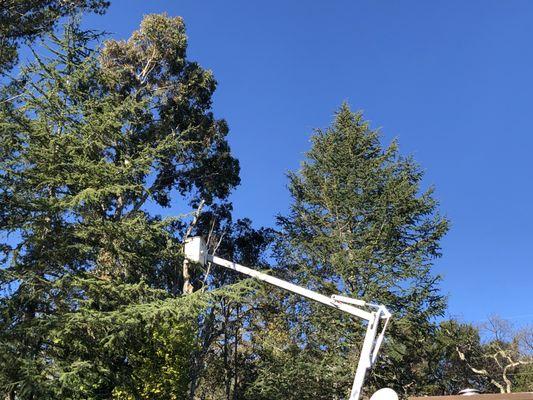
227 367
236 356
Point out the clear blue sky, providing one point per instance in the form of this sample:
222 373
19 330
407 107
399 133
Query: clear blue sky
452 80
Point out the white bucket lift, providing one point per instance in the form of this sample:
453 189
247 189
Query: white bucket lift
376 315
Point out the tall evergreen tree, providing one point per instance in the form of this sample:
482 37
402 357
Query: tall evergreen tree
91 145
361 225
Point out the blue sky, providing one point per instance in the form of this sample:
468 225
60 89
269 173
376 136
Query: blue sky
453 81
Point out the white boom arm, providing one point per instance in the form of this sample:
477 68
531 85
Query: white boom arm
196 251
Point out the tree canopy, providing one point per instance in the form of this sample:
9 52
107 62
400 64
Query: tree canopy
95 140
359 224
111 156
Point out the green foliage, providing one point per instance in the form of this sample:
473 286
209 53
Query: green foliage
450 373
523 379
357 214
225 362
359 224
25 20
91 144
493 357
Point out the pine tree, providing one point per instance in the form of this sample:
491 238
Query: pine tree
92 142
361 225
